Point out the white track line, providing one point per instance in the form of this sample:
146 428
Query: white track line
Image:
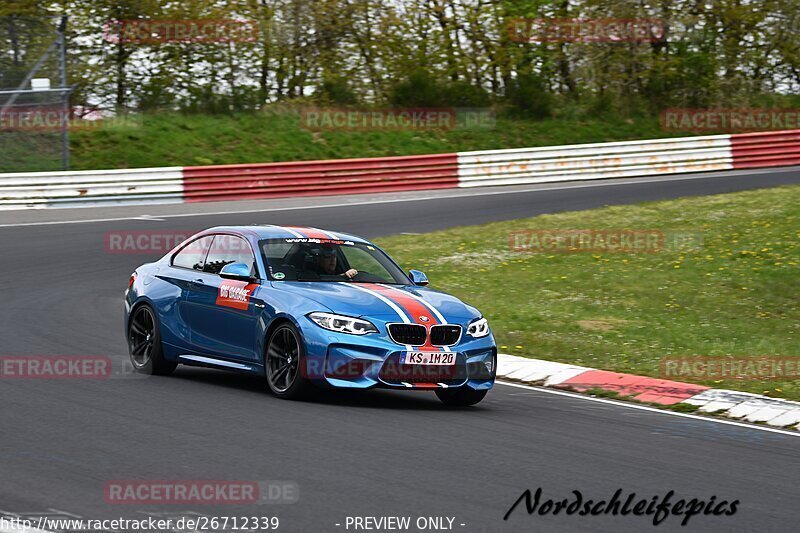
538 188
648 408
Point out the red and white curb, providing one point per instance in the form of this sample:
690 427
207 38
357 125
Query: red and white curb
732 404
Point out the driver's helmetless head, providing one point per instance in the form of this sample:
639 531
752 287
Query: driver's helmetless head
327 260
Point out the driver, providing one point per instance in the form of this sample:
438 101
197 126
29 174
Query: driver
327 263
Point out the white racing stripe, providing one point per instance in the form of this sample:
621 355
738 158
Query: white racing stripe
330 234
299 232
430 307
391 304
385 300
284 228
427 305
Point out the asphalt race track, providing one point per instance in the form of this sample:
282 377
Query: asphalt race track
371 454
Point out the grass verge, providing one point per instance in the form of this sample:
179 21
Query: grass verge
734 291
171 139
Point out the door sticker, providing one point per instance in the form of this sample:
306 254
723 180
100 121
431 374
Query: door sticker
235 294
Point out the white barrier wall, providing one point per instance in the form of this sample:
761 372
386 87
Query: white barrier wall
401 173
594 161
90 187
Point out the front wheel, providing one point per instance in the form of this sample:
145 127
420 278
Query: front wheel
460 397
284 359
144 344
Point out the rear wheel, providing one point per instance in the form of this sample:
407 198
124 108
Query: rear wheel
283 362
460 397
144 343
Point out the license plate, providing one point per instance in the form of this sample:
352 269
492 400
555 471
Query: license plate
428 358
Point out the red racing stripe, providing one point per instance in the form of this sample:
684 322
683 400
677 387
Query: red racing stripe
309 233
418 312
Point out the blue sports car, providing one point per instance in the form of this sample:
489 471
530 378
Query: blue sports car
304 307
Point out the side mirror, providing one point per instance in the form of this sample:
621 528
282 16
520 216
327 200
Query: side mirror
237 271
418 277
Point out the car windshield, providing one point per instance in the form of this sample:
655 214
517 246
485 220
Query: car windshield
302 259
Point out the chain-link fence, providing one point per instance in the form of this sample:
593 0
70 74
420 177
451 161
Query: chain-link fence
34 96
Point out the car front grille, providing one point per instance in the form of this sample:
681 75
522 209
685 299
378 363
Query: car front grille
417 334
445 334
412 334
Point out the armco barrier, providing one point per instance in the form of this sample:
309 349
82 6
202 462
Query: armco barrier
594 161
388 174
314 178
91 187
769 149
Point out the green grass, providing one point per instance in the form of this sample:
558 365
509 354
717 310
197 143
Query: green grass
735 294
174 139
34 151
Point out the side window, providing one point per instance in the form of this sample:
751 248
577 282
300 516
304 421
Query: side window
193 255
228 249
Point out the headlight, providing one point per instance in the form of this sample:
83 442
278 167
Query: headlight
479 328
343 324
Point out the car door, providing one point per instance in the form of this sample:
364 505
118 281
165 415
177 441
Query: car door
171 299
223 314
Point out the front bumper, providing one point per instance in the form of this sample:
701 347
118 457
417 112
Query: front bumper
363 362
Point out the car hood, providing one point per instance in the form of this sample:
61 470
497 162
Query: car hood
351 299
